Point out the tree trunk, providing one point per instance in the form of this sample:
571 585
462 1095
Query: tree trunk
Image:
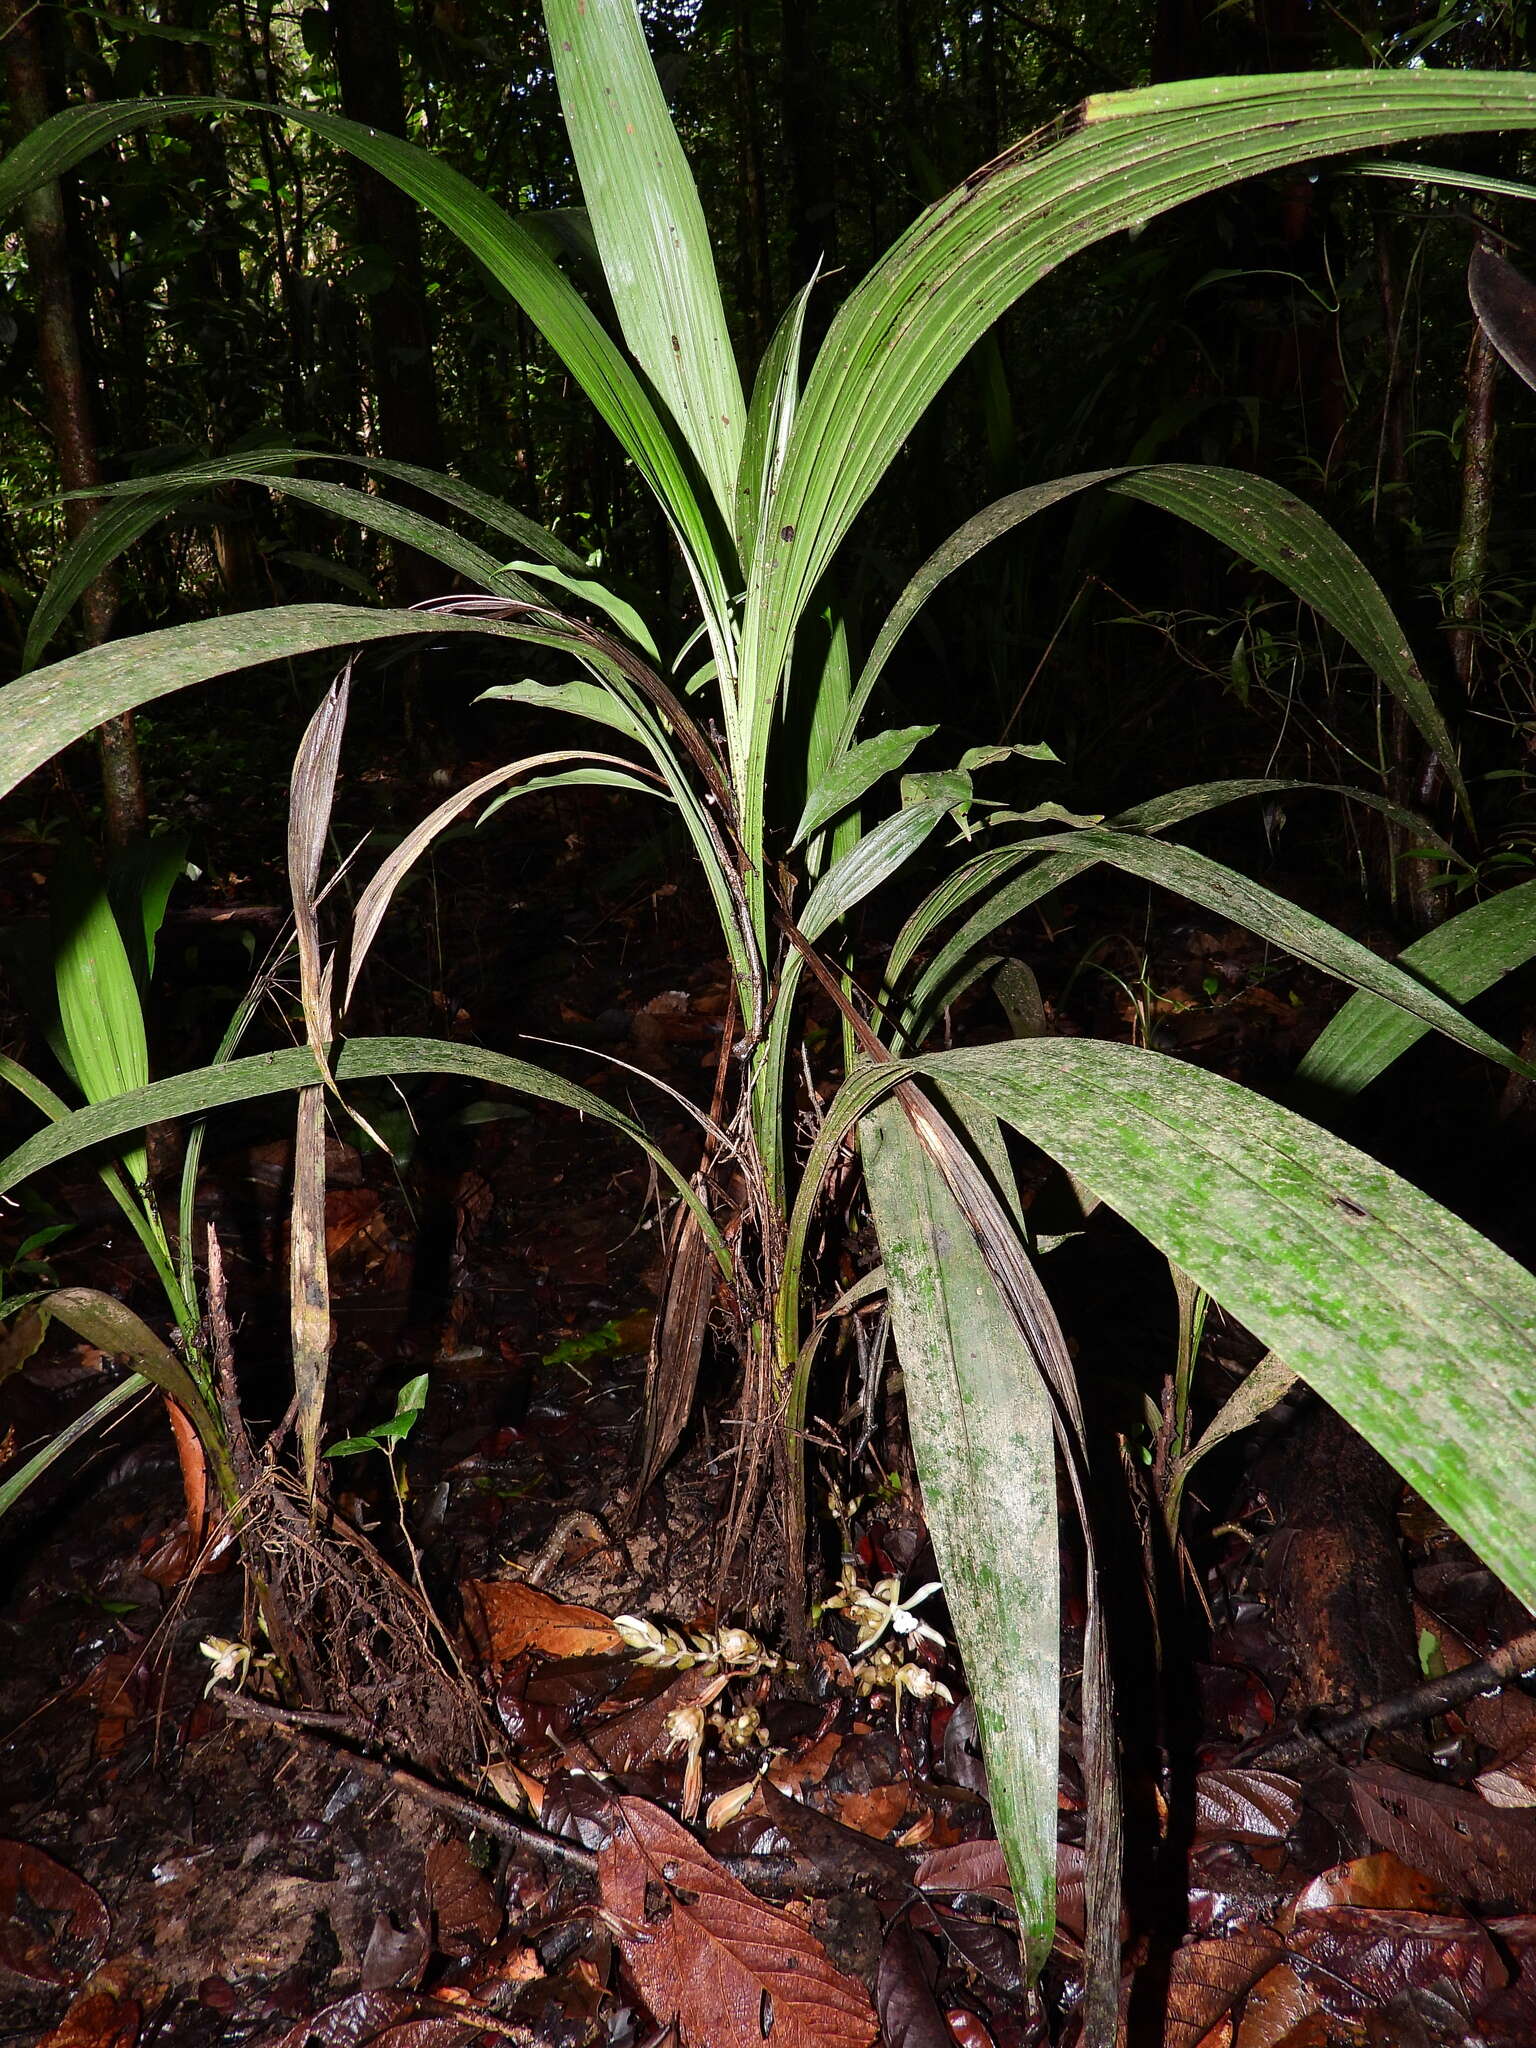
67 397
368 70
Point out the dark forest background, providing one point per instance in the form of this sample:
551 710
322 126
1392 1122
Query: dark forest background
235 285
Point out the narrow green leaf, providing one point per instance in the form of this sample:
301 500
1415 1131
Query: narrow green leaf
16 1483
645 213
1429 174
1122 160
101 1011
775 394
126 518
1053 872
515 257
1288 540
1459 959
113 1327
855 772
966 541
866 865
582 700
985 1445
1207 882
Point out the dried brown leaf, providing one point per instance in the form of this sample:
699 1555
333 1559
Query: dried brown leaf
463 1903
1476 1849
640 1735
351 2021
977 1867
97 2019
1382 1880
506 1617
730 1970
1246 1805
1282 2012
53 1927
910 2013
1206 1979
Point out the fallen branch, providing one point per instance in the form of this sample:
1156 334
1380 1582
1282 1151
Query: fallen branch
1419 1703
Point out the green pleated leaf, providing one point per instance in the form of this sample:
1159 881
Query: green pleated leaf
990 871
877 856
775 394
1430 174
1123 159
16 1483
125 518
1249 904
1460 959
1288 540
645 212
360 1059
1419 1331
984 1440
581 700
374 902
113 1327
100 1009
1259 520
967 541
48 709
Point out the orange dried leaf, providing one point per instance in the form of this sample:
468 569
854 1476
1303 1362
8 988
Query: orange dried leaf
507 1617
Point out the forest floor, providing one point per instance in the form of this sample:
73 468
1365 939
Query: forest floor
761 1852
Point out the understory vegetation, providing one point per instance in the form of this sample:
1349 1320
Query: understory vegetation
530 520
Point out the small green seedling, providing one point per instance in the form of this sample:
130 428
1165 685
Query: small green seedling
387 1436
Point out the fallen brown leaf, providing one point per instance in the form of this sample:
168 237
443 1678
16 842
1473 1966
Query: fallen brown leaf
730 1970
1356 1958
463 1903
1485 1852
53 1927
1282 2012
97 2019
505 1617
1206 1979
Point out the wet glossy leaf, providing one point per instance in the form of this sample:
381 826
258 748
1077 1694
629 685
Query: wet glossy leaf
1206 1979
1481 1851
1246 1805
53 1927
910 2013
1355 1958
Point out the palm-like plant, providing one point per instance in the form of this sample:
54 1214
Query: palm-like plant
1415 1327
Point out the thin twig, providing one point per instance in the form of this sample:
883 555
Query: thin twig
474 1813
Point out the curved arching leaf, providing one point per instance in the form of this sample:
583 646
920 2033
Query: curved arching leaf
54 706
1120 161
515 257
360 1059
1460 958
